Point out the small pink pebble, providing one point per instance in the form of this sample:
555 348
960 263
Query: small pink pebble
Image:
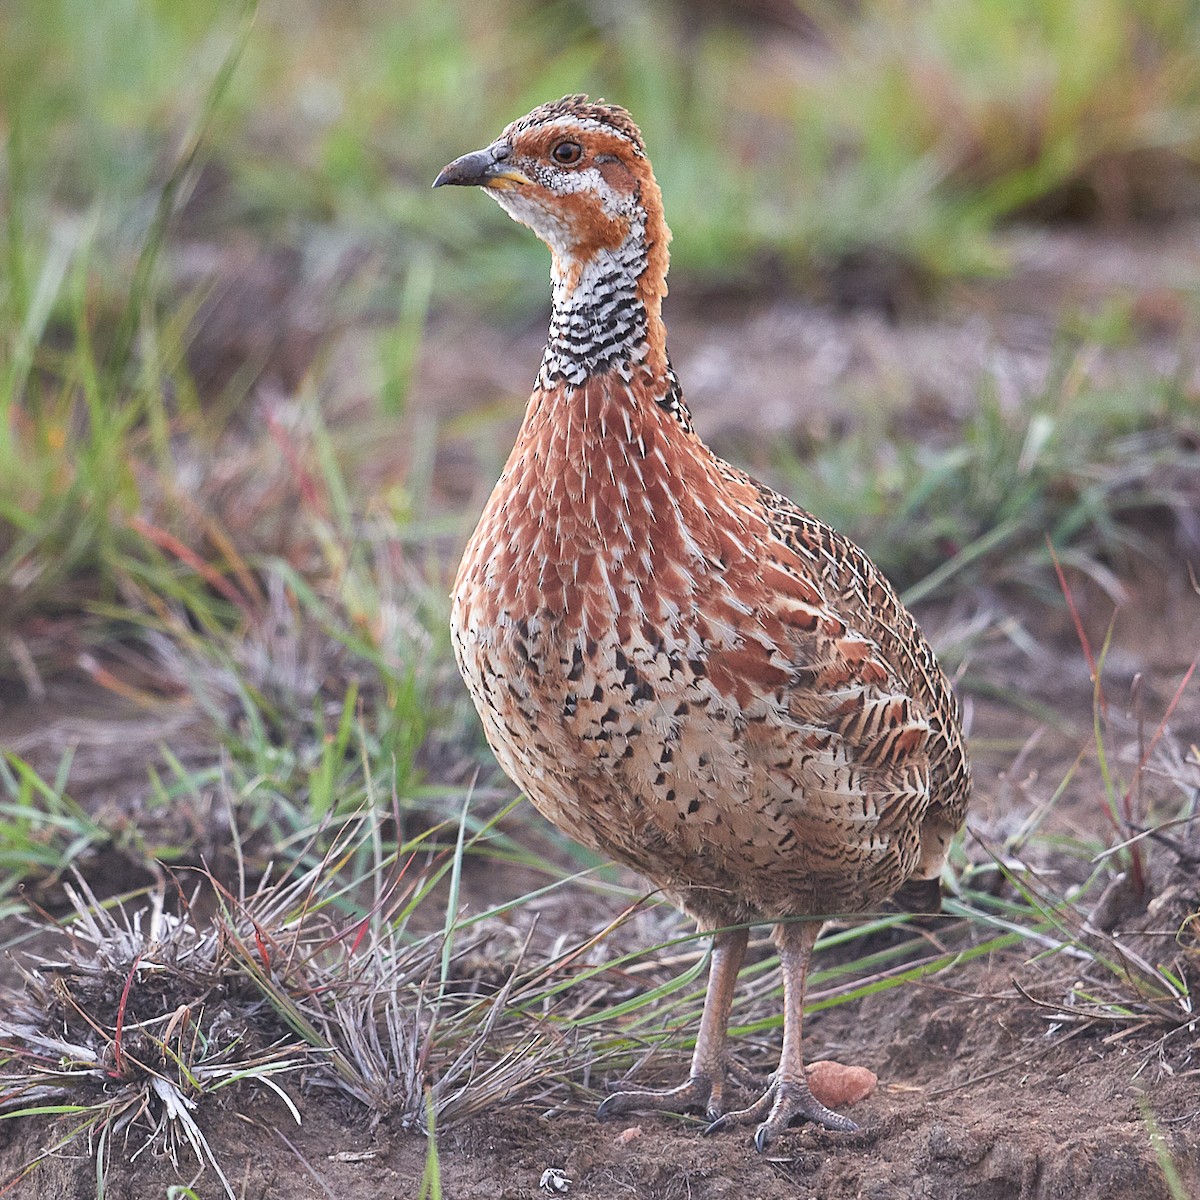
627 1135
836 1085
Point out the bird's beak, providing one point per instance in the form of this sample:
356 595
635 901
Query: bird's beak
483 168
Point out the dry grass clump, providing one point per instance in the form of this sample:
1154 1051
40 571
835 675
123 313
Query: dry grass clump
140 1017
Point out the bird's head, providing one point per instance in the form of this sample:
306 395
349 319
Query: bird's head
577 174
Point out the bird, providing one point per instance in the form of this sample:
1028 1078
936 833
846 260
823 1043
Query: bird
681 668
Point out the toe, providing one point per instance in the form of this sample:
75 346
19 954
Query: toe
744 1116
694 1094
613 1105
795 1100
779 1105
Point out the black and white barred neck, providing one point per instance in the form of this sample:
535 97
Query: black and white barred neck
599 325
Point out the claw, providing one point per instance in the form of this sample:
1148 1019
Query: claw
705 1086
780 1103
744 1116
695 1093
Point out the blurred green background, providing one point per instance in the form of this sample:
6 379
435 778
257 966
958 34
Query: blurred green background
788 138
198 201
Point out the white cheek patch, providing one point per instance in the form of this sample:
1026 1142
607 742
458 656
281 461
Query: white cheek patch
546 223
534 208
589 179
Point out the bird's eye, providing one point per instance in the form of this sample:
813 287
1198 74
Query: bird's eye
567 153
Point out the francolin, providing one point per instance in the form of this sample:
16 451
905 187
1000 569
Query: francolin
681 668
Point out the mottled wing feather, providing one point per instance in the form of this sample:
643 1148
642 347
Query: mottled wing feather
862 596
852 762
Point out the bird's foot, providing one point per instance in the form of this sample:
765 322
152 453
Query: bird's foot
699 1092
779 1104
751 1081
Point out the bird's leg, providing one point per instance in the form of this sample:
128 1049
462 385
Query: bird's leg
705 1084
788 1095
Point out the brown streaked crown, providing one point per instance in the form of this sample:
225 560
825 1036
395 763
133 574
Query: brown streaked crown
580 107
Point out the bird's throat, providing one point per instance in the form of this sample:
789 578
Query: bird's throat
605 318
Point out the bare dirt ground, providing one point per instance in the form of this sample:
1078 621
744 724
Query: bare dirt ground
980 1097
984 1094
